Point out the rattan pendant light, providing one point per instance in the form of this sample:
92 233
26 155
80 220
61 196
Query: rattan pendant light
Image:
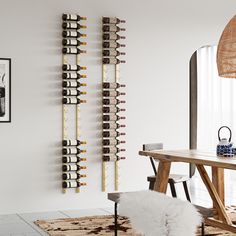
226 51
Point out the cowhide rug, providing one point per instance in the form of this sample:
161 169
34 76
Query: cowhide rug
104 225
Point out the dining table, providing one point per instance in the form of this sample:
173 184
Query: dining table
214 185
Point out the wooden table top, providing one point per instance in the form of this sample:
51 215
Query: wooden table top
192 156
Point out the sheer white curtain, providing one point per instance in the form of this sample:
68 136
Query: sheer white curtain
216 100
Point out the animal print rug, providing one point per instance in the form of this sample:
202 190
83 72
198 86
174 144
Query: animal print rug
104 225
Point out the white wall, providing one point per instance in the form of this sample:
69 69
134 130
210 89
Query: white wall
161 36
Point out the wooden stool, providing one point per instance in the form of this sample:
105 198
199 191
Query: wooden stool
173 178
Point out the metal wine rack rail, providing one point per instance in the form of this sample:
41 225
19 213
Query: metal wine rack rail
71 101
111 98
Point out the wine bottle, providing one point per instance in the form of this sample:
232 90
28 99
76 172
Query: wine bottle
112 158
72 92
72 34
72 175
112 44
72 51
108 93
74 75
72 184
112 150
73 25
68 151
112 126
72 101
107 85
72 84
72 159
112 53
112 20
72 142
72 42
111 142
72 167
112 36
112 28
73 17
69 67
112 133
112 109
112 101
112 117
107 60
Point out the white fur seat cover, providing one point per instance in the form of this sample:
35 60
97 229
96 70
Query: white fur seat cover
155 214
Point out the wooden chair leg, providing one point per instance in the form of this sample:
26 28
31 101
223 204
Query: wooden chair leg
172 189
186 191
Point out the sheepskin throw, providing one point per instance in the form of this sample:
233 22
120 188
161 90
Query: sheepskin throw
155 214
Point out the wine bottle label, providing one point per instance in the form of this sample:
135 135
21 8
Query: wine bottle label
73 34
72 25
72 184
71 17
73 75
72 42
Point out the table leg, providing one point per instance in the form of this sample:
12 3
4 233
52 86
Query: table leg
214 195
218 182
162 176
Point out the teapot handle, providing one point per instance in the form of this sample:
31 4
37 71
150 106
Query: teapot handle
230 132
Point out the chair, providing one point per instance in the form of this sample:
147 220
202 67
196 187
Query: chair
173 178
155 214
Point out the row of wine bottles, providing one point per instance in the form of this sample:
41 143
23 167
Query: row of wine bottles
111 36
70 92
105 20
71 34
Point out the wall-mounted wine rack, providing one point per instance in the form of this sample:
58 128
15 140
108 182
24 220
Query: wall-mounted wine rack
71 101
111 93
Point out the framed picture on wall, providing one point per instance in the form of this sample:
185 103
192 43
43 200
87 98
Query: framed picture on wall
5 90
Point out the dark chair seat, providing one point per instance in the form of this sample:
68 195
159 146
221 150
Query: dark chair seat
173 178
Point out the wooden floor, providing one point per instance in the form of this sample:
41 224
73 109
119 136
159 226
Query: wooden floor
22 224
